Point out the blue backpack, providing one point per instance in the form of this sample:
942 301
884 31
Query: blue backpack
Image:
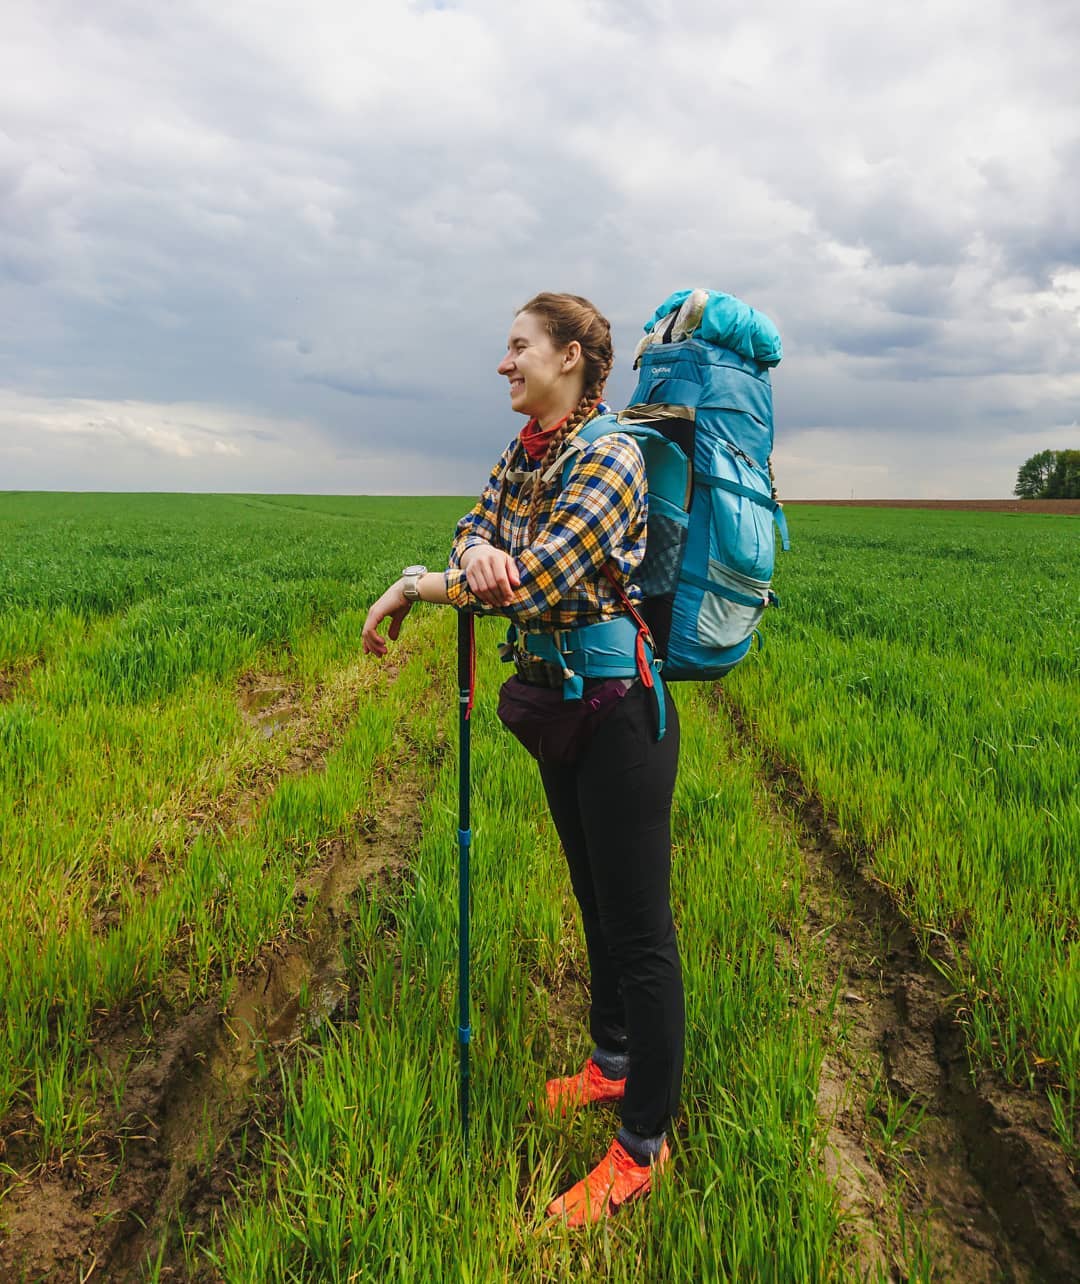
702 415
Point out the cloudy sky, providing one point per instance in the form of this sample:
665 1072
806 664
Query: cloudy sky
272 246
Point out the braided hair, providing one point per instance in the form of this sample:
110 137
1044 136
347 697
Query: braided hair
568 318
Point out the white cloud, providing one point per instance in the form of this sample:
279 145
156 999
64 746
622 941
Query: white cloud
84 444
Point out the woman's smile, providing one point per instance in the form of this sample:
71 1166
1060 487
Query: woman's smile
544 379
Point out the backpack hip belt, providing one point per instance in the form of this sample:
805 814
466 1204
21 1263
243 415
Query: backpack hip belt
607 649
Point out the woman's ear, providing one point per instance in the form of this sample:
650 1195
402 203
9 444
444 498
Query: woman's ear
572 356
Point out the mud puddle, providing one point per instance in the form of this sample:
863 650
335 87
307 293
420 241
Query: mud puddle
168 1151
974 1162
268 703
275 708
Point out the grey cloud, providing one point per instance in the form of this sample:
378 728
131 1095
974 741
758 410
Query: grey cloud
922 292
252 211
883 338
368 386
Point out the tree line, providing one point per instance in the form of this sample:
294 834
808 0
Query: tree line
1051 474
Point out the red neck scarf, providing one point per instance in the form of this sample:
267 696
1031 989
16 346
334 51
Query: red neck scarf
536 439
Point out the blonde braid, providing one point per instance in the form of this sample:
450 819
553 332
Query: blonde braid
571 319
583 412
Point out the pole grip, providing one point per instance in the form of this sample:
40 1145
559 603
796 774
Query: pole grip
464 649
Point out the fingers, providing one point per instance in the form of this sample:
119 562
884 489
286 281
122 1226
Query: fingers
493 577
393 606
372 642
397 618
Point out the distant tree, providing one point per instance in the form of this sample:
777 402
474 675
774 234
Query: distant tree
1034 476
1064 481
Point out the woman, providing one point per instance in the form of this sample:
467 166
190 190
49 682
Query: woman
535 548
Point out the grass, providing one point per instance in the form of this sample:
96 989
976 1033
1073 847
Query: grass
921 677
124 738
367 1173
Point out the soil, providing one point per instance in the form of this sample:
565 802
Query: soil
11 675
1060 507
170 1146
974 1160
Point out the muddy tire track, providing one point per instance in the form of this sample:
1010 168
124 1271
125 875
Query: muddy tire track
169 1144
190 1102
972 1159
168 1149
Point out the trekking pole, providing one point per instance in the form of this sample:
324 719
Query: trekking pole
466 683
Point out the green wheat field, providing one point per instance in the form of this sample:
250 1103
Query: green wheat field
228 920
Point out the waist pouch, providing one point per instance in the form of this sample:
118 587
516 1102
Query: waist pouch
555 730
535 672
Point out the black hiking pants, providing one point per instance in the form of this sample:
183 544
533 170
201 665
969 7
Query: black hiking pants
612 811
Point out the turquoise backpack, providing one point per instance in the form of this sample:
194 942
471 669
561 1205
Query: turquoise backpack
702 415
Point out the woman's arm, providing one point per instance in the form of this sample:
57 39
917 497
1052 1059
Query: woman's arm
603 506
601 512
478 568
477 527
394 605
491 574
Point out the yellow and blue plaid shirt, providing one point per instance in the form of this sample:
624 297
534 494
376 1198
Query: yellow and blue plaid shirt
599 516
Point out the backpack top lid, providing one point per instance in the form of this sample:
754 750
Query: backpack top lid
720 319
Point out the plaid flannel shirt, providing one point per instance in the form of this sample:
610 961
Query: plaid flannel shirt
599 516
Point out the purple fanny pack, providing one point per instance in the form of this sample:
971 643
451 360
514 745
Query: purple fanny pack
555 730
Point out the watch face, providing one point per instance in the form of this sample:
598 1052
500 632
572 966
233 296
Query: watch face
414 570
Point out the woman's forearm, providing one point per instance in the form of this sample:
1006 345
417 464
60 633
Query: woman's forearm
432 588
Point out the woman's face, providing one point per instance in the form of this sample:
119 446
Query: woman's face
545 381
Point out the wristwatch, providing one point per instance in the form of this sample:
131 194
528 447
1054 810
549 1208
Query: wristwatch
411 587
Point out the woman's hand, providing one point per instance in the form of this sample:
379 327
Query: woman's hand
491 574
394 604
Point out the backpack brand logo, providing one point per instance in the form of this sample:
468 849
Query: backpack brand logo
656 370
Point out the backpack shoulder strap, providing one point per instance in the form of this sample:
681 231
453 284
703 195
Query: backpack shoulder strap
597 427
667 467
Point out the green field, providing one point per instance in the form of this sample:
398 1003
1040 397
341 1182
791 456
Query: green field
228 943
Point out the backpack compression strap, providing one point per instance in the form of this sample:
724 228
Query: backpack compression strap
755 496
641 659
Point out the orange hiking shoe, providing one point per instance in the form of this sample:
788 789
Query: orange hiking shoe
617 1179
582 1089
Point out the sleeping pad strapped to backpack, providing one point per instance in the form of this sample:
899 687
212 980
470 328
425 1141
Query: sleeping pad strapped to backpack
702 415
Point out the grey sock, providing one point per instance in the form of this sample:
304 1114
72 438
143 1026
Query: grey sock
613 1065
641 1149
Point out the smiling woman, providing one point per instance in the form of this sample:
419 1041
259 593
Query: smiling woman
540 553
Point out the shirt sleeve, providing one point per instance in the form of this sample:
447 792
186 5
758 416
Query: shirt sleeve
603 506
476 527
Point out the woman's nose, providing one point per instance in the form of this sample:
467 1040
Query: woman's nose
505 365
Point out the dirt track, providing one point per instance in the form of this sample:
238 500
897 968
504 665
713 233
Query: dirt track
166 1147
1058 507
972 1158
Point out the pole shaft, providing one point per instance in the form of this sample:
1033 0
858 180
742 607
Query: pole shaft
465 654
